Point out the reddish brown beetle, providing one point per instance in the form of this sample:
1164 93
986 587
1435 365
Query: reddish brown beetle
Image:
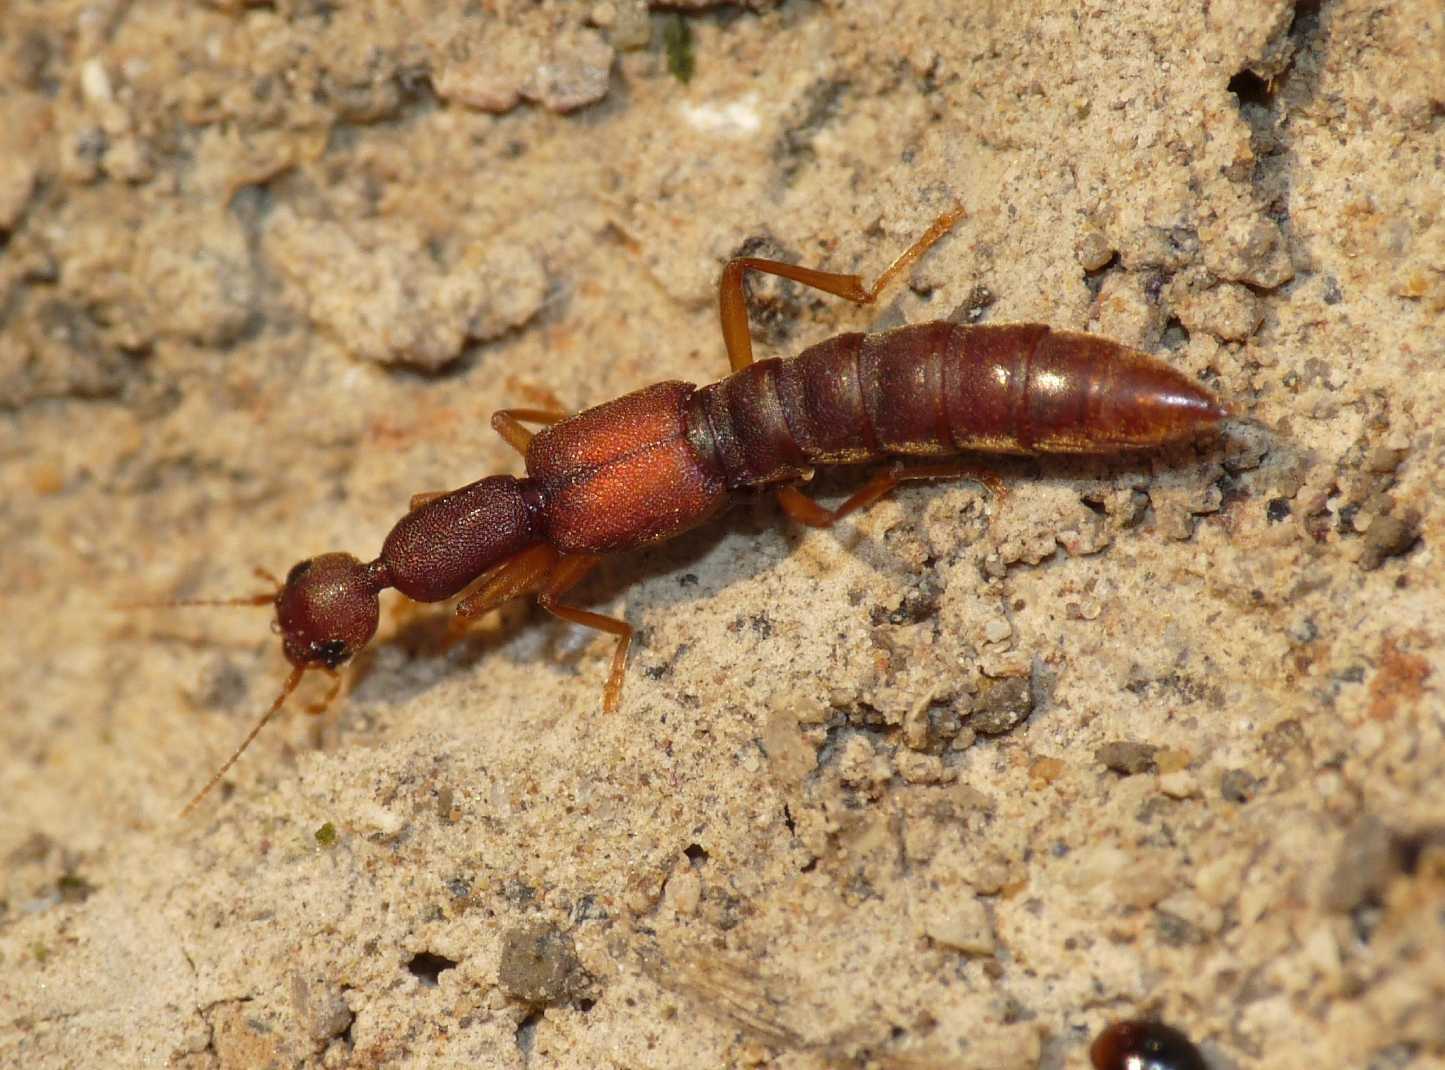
1141 1045
652 464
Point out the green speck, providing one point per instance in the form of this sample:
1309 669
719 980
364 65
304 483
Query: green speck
41 953
326 834
677 39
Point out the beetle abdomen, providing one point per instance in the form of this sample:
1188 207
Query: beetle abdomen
940 388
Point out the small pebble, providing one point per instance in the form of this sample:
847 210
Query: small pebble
1180 784
1127 758
1238 786
1388 536
1002 705
1093 249
539 965
964 926
1044 772
684 890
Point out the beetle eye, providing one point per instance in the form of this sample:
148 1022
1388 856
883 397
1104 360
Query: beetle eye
331 652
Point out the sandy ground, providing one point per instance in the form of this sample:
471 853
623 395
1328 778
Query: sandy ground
951 785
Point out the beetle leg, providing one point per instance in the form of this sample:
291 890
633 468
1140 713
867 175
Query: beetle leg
514 577
323 704
805 510
508 424
569 572
733 306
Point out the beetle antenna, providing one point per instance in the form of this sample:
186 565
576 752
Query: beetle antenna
265 599
286 689
244 600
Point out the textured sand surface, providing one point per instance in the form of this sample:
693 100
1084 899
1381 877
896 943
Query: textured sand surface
951 785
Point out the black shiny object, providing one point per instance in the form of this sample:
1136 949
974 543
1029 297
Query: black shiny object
1144 1046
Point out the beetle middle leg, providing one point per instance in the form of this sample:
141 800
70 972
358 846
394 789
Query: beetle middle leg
541 570
733 307
805 510
568 573
514 577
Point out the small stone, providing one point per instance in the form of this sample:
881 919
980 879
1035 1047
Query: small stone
1088 538
1175 931
1170 759
684 889
1180 784
574 72
330 1016
1127 758
990 876
1245 447
378 821
1125 311
1382 460
1174 521
963 925
1388 536
1247 248
921 836
1001 664
790 757
1142 884
1363 866
539 965
997 630
1228 311
562 74
918 768
1192 909
95 82
17 183
631 25
860 765
1238 786
1093 249
1217 881
196 276
1002 705
918 728
642 892
1045 771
